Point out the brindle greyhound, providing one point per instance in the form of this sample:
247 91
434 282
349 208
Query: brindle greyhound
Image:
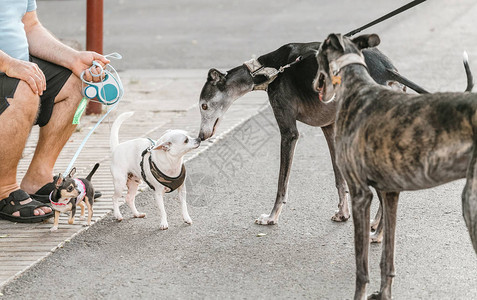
394 142
292 98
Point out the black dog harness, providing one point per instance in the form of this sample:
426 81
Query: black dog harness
170 182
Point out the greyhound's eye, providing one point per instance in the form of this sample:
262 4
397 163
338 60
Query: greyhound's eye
186 141
204 106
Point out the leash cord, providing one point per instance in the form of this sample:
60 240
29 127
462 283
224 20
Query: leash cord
385 17
353 32
78 151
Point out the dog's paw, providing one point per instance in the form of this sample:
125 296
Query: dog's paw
188 221
140 215
164 226
71 221
266 220
82 218
54 228
340 217
375 237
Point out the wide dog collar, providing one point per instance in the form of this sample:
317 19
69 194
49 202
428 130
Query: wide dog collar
256 68
170 182
343 61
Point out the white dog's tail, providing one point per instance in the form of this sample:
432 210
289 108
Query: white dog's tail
114 138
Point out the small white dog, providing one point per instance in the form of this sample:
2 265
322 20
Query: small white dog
158 163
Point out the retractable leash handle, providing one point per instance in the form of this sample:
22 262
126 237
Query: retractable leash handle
109 91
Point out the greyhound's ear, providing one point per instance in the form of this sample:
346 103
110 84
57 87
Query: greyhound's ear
335 41
59 180
215 76
166 146
366 41
72 173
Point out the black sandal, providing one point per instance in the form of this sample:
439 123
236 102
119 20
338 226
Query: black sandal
43 194
12 204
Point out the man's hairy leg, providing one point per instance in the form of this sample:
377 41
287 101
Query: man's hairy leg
15 126
53 136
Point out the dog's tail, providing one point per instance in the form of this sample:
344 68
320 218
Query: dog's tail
114 138
403 80
90 175
468 72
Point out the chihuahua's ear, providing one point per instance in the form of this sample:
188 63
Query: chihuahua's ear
59 180
334 41
215 77
166 146
72 173
366 41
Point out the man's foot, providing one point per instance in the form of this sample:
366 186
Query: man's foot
19 207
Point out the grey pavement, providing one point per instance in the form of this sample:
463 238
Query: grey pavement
168 47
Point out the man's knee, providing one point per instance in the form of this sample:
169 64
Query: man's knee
71 90
24 100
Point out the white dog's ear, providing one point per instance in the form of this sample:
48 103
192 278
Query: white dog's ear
166 146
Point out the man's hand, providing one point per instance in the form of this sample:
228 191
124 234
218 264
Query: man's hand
28 72
84 60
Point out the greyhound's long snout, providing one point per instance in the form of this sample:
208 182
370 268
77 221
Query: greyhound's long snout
202 136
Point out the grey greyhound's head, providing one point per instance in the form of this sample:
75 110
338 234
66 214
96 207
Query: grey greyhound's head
218 93
332 55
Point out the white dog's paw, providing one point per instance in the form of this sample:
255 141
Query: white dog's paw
82 218
266 220
188 220
140 215
163 226
54 228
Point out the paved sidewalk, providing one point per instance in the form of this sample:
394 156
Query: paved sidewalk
162 99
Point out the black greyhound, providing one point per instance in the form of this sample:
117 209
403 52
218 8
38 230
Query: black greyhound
287 75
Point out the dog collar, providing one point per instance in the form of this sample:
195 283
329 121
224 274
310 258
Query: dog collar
256 68
170 182
343 61
57 203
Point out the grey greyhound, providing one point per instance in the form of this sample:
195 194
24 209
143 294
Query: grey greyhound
292 99
393 142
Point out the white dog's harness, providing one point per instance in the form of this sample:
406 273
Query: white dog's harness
170 182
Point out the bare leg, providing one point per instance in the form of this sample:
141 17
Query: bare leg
53 136
15 125
343 211
361 201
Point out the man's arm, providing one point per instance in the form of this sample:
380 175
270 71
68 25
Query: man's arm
44 45
23 70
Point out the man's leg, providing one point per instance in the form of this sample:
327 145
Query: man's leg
15 126
53 136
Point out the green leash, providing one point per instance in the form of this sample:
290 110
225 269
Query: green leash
80 110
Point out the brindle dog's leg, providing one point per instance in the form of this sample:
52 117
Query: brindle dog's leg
469 198
377 224
390 204
343 211
289 136
361 197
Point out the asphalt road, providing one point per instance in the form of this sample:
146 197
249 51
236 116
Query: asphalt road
306 255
